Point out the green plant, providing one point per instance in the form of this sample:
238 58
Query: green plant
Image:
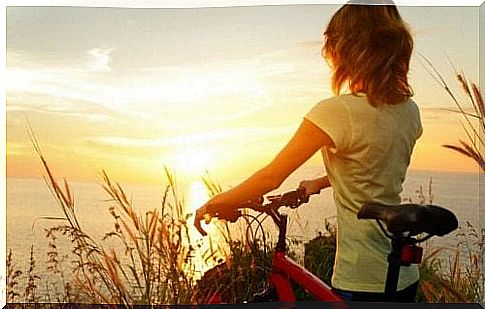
238 278
239 275
320 252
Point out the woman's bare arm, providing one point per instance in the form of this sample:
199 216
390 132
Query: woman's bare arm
307 140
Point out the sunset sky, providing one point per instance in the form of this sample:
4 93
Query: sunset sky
217 89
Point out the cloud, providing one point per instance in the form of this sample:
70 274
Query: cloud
225 145
203 138
312 45
69 85
91 117
150 94
136 92
18 101
13 148
99 60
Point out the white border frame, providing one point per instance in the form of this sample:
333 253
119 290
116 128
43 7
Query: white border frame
146 4
222 3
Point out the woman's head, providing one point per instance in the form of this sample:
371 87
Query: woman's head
369 48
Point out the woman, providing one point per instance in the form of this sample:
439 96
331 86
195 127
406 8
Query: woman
366 137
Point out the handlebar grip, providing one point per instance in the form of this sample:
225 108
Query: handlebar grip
291 199
295 198
304 197
230 215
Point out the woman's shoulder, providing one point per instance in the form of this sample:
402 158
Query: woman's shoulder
413 105
333 104
350 102
408 107
341 100
358 102
343 104
329 100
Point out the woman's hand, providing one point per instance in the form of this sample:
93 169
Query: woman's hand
310 186
202 213
209 209
314 186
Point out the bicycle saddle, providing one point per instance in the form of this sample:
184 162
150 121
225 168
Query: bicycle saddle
412 218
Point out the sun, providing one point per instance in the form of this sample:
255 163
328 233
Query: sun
193 162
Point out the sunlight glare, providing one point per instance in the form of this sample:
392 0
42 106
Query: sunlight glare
197 196
193 162
214 244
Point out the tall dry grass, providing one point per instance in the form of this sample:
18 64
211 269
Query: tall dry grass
472 112
154 265
247 259
13 274
460 277
145 258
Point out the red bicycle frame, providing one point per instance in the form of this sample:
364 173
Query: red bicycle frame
285 270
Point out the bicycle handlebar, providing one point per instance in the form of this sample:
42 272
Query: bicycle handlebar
291 199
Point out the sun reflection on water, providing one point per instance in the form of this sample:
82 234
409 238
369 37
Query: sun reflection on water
211 249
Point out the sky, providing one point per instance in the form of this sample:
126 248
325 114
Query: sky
216 89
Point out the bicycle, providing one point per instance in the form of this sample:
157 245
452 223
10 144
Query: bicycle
404 223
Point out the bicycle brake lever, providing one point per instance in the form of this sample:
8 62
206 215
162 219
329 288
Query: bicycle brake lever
272 198
304 198
290 199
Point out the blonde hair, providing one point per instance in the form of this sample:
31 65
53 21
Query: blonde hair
369 47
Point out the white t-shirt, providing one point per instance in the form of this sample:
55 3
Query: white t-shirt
372 151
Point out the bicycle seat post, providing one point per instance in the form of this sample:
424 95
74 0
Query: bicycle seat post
394 260
404 253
